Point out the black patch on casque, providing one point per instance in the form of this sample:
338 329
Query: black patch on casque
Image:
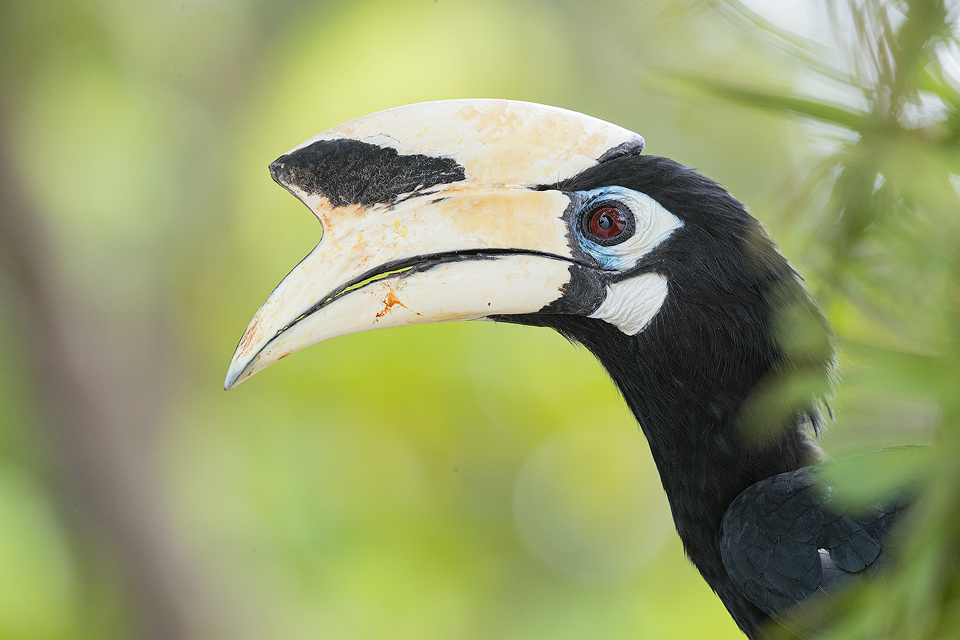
349 171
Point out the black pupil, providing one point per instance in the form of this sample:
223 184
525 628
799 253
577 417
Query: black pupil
607 223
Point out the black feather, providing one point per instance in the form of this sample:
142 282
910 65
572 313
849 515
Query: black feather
700 378
809 542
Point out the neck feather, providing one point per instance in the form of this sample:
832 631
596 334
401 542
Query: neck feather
703 387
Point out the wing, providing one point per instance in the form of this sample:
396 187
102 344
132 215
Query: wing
784 539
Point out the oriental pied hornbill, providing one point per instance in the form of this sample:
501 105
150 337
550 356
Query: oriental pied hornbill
516 212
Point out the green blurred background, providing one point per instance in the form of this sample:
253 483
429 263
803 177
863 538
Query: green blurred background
452 481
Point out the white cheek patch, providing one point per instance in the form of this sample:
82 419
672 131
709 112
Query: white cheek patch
631 304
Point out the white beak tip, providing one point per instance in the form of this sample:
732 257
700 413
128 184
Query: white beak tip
235 375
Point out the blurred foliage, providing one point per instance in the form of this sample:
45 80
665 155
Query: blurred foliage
470 480
879 215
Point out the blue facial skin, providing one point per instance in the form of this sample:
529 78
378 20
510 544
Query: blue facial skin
622 256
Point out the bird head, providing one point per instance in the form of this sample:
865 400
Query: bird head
516 212
512 211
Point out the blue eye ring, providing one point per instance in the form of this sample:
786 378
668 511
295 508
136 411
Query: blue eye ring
607 223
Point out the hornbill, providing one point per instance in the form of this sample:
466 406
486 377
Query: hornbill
517 212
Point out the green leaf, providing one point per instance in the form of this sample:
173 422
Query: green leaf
770 100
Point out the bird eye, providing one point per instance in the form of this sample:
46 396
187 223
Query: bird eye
608 223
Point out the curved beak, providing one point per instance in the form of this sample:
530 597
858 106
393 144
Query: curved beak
432 212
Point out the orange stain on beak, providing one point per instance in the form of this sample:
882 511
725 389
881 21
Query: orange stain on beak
389 302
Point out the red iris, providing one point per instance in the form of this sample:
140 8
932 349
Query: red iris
607 222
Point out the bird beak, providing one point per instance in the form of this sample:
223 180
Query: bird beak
432 212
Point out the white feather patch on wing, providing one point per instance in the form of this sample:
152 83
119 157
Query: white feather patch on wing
631 304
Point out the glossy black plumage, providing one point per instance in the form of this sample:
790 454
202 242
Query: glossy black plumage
786 538
705 328
697 379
